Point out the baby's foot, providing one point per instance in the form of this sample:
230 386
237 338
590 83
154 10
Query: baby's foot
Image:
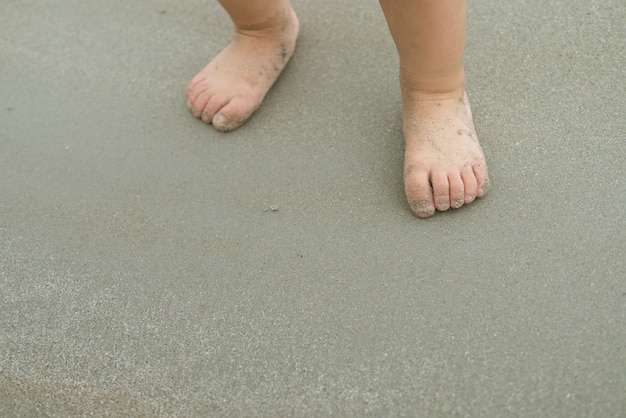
232 86
444 165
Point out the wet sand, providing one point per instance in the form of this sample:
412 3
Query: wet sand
151 266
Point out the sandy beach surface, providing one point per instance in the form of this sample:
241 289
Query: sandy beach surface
152 266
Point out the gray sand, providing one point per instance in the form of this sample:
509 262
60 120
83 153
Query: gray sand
143 271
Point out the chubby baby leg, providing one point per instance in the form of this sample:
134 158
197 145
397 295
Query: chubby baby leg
444 164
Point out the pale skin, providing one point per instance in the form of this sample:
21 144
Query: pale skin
444 165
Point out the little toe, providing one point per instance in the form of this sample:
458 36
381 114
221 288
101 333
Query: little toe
482 180
195 82
194 90
419 193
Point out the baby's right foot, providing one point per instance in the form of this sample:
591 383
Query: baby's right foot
233 85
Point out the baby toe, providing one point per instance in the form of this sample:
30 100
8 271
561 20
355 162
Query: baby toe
482 180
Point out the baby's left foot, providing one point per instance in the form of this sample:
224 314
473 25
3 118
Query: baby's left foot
444 165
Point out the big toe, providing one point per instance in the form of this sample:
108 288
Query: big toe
234 114
419 193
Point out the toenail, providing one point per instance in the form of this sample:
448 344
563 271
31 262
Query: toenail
458 203
422 207
442 205
469 199
220 121
218 118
